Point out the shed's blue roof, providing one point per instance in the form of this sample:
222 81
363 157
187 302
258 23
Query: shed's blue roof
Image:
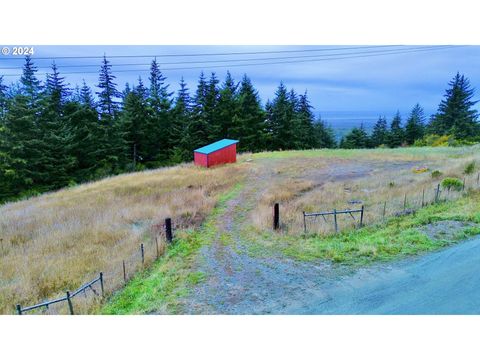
216 146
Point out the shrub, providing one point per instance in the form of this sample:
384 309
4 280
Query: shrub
435 140
420 170
452 184
436 174
470 168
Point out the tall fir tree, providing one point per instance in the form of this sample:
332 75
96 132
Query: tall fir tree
181 118
304 119
280 119
396 136
198 128
415 126
455 115
227 107
380 134
212 96
108 95
324 135
249 121
357 138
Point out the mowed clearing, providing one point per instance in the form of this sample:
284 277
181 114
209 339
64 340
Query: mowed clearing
58 241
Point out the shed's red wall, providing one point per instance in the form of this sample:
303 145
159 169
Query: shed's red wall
223 156
200 159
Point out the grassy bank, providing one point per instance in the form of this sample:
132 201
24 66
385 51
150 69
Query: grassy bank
430 228
161 287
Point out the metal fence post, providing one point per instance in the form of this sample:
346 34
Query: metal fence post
101 284
335 219
304 223
276 216
361 216
142 251
124 273
19 309
70 305
168 230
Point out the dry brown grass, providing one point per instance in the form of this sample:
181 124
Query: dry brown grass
327 181
58 241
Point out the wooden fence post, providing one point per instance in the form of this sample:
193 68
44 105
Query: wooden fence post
156 246
142 251
463 186
304 223
423 197
437 193
124 273
405 202
19 309
276 216
168 230
101 284
384 209
361 216
70 305
335 219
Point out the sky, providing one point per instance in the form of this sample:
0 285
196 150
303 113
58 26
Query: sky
374 83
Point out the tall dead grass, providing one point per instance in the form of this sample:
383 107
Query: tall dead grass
315 184
60 240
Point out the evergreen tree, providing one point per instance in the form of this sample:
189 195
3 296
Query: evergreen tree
199 125
455 115
415 127
31 86
108 94
396 136
280 119
323 135
380 134
212 96
227 107
357 138
249 121
158 130
3 99
304 119
181 118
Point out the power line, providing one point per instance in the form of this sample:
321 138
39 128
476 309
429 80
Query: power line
200 54
436 48
237 60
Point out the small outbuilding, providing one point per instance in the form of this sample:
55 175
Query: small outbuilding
220 152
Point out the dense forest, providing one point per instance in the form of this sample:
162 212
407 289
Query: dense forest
52 135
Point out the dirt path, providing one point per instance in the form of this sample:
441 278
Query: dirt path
240 280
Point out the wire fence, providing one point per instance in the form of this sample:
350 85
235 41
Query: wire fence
327 222
90 295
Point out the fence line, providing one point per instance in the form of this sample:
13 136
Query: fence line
139 260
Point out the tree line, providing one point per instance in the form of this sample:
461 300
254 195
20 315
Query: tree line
52 135
456 122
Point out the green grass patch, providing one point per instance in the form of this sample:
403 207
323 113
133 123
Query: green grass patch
160 288
398 237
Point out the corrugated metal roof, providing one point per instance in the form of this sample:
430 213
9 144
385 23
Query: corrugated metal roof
208 149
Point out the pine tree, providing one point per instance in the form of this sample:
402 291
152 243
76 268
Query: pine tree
380 134
158 141
212 96
249 121
396 136
280 119
181 117
227 107
415 127
135 124
455 115
199 125
357 138
323 135
304 119
108 94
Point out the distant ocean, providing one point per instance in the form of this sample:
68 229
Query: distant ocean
343 121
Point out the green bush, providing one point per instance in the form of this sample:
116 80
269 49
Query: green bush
436 174
452 184
470 168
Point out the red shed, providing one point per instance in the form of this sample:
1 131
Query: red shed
220 152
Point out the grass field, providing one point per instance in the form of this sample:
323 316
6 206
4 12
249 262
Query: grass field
60 240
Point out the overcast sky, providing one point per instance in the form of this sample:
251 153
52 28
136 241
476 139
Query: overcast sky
379 84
